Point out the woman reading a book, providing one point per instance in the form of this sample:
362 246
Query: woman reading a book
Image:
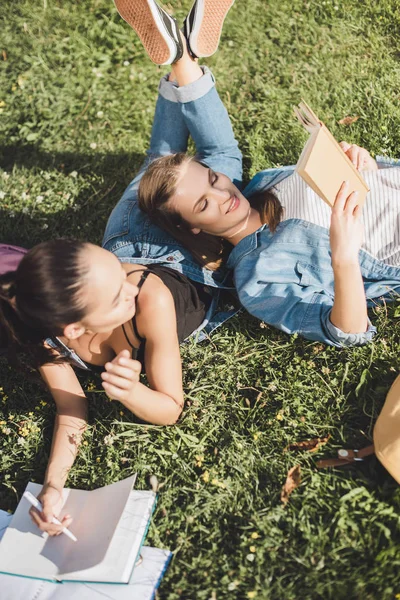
292 268
298 265
71 303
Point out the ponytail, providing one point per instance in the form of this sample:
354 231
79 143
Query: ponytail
268 207
7 293
38 299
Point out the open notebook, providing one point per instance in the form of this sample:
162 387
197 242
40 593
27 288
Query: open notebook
323 165
110 524
142 585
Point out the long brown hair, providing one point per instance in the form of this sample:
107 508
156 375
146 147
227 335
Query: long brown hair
40 298
159 184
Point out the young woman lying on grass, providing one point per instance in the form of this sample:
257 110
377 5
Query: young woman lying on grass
297 265
73 303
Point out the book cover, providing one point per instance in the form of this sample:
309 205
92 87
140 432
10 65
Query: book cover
323 165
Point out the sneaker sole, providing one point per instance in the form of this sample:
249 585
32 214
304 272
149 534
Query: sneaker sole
204 40
146 20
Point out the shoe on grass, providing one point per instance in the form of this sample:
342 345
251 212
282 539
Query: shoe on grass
203 25
157 30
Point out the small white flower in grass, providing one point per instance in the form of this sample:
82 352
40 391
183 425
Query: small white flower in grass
6 176
11 214
45 226
108 440
24 196
126 63
21 441
232 586
25 210
93 145
99 114
250 557
39 199
2 195
73 174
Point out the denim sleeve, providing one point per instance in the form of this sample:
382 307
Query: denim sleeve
317 319
297 309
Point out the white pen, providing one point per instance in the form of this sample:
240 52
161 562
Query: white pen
35 502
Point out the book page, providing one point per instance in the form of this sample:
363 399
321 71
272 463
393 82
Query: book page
142 585
24 550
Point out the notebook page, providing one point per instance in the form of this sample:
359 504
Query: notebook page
95 526
26 551
5 519
24 548
126 542
144 581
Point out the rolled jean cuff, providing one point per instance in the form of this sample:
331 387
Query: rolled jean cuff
187 93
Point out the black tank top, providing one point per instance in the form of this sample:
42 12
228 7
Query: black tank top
191 304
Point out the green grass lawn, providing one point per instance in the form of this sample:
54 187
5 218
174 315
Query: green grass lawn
77 95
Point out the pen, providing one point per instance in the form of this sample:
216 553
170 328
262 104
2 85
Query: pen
35 502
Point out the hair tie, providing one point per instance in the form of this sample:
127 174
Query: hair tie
7 291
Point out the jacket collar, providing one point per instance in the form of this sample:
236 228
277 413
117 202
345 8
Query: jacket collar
246 245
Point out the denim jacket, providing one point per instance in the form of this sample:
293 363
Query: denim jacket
132 238
286 278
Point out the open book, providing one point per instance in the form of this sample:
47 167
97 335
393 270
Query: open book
110 524
323 165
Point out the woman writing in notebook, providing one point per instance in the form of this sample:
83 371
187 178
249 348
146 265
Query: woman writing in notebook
71 303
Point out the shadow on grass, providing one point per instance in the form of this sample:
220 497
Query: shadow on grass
88 217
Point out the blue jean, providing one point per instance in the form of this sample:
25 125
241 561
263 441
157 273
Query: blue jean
193 110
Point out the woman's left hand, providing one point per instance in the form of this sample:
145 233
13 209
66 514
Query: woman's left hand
360 157
121 376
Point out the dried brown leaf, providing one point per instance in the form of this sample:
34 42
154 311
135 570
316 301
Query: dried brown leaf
348 120
309 445
292 482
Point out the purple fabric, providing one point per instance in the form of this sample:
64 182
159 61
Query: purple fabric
10 257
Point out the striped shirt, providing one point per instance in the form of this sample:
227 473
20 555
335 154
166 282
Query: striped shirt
381 213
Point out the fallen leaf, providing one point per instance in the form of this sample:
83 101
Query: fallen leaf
292 482
348 120
308 445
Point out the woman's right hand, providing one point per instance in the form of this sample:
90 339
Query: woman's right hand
51 500
346 231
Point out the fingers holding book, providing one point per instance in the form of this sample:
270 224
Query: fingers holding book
360 157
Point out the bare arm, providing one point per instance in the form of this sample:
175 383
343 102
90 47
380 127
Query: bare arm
70 423
162 402
349 312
